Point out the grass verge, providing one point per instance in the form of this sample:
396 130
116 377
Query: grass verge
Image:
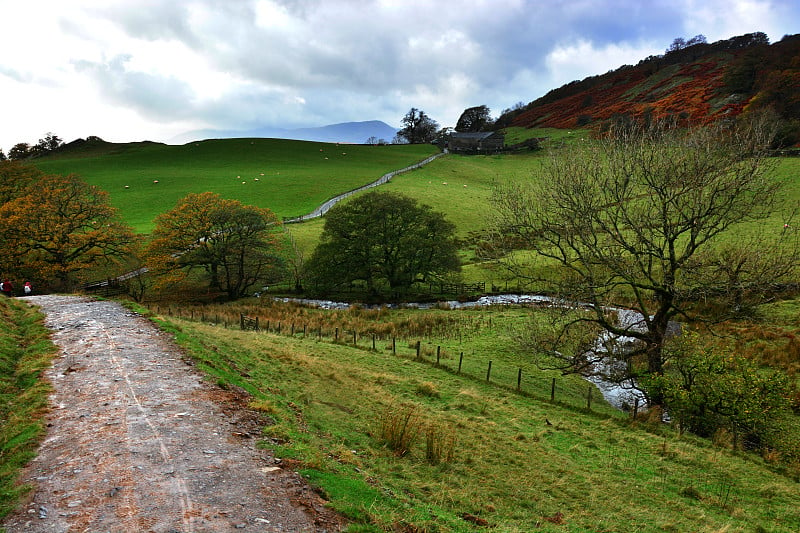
25 352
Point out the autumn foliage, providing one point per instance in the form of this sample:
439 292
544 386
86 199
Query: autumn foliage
695 85
233 245
54 228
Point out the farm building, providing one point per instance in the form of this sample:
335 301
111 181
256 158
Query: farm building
483 141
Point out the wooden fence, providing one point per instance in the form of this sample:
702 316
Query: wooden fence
467 366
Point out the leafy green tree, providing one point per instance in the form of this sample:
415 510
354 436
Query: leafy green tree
474 119
56 227
418 127
48 143
19 151
383 238
234 244
707 388
636 220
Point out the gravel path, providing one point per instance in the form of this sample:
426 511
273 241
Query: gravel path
137 441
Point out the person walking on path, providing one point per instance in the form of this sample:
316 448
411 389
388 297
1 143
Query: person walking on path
7 288
28 288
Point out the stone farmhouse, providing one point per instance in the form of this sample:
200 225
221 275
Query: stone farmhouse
478 142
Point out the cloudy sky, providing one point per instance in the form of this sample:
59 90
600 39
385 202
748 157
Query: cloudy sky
129 70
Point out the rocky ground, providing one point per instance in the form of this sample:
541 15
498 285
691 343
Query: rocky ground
138 441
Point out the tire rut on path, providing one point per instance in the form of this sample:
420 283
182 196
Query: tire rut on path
138 441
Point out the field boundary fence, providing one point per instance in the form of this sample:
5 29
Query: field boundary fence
503 374
326 206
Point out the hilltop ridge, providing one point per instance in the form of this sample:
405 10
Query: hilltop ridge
345 132
695 84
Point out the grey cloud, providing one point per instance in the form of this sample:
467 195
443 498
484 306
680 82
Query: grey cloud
154 96
354 59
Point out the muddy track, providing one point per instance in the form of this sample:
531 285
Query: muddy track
138 441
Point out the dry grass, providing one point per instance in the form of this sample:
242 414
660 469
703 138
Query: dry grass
398 428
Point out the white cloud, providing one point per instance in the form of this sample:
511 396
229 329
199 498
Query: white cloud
722 20
148 69
582 59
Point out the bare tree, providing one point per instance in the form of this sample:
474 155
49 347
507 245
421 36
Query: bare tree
647 220
418 127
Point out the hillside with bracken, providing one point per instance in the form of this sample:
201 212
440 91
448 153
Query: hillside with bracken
697 83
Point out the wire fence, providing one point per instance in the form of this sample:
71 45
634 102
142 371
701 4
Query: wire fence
520 380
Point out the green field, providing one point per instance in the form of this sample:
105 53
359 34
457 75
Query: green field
297 177
483 454
289 177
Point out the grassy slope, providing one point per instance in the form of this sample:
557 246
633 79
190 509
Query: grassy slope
293 177
25 351
510 468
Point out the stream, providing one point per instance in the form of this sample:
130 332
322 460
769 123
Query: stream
622 395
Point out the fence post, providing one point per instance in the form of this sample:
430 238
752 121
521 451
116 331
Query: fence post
489 370
267 326
394 346
256 323
373 342
519 379
635 407
460 360
438 350
589 398
336 335
304 330
241 321
279 328
553 390
355 341
292 329
418 348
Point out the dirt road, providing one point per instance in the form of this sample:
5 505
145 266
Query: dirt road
137 441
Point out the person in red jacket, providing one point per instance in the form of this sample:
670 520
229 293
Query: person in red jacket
7 287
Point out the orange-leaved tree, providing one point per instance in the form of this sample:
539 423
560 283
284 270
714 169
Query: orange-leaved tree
15 178
57 226
234 245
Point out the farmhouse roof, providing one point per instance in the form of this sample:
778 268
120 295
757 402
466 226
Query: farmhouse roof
477 136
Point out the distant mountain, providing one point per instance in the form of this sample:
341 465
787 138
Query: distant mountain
692 84
346 132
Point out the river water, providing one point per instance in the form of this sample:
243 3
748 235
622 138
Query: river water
622 395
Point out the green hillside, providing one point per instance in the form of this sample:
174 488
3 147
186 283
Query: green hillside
289 177
484 457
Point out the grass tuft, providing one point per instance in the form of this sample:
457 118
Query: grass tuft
399 427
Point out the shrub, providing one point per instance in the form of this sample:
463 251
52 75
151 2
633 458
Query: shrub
398 428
